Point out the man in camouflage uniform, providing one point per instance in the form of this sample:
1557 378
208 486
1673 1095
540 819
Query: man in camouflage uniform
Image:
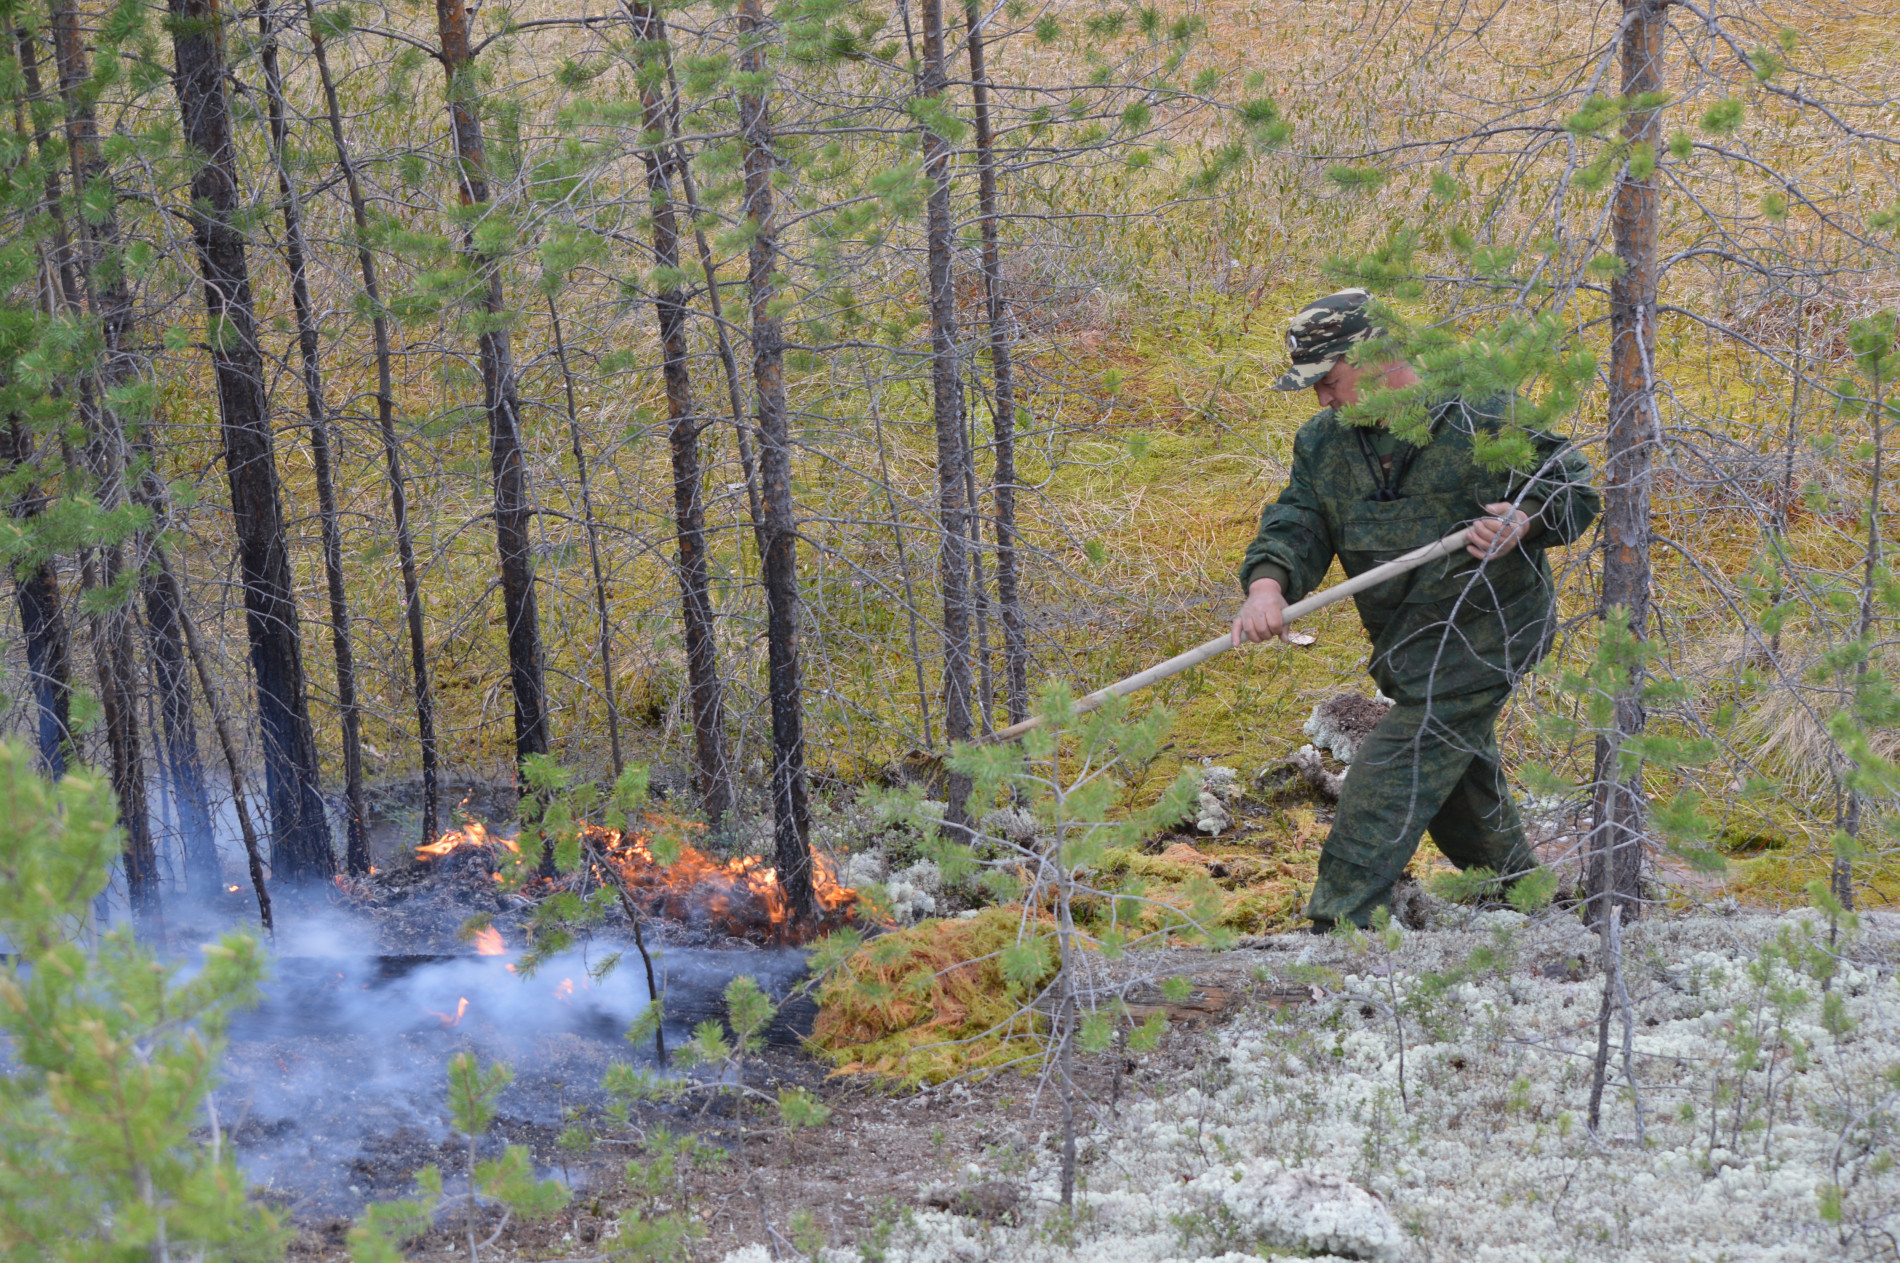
1448 639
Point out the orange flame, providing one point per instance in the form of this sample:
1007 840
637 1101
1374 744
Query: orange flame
472 833
461 1007
488 942
565 991
741 897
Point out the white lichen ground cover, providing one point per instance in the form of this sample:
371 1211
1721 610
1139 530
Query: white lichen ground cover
1769 1110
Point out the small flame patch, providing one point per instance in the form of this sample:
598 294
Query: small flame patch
488 942
472 834
455 1019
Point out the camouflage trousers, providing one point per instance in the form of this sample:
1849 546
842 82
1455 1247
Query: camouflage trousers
1434 767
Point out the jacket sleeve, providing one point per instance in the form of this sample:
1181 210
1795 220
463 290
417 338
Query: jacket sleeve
1293 544
1557 495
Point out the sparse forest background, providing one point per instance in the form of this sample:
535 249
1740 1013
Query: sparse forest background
625 306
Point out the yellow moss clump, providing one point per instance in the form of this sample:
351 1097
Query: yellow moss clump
929 1003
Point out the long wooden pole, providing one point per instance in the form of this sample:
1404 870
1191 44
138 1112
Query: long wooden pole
1225 641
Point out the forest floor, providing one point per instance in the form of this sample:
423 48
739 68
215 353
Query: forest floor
1288 1055
1759 1125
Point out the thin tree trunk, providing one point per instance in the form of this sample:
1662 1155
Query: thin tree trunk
1003 405
392 449
111 305
514 513
722 336
42 621
300 834
221 723
203 870
979 589
309 350
903 566
705 689
1841 875
953 505
1616 856
791 824
605 639
36 581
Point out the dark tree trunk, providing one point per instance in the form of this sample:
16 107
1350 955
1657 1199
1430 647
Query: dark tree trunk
714 773
1617 832
203 871
105 457
49 660
514 513
1003 383
221 723
36 582
735 393
946 380
310 354
300 835
392 450
42 620
791 823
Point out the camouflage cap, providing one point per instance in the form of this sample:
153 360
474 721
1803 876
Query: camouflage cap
1321 333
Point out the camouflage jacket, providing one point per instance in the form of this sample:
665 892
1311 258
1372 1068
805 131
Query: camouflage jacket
1454 625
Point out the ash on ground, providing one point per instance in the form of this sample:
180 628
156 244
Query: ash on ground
334 1087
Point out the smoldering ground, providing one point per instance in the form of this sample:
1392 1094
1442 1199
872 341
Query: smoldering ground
334 1086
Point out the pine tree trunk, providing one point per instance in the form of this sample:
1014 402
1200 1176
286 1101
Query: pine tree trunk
1617 833
392 450
707 693
42 620
728 362
514 512
221 724
296 254
1841 873
110 303
791 824
1003 379
300 835
204 872
43 623
946 382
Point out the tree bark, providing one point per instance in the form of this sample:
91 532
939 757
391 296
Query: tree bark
300 835
392 449
706 691
514 512
1003 384
42 621
946 381
791 823
203 869
110 303
1617 833
310 358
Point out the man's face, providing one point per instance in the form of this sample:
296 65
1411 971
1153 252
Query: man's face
1340 387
